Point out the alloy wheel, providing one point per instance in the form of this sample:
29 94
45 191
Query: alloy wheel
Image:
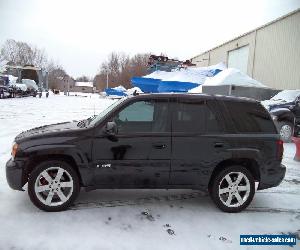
234 189
54 186
286 132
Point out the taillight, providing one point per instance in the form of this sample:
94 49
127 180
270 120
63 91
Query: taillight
14 150
279 149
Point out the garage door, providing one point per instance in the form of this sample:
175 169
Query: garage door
238 58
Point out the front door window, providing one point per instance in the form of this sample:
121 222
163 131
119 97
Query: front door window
143 117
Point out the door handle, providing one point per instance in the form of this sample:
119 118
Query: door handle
219 145
159 146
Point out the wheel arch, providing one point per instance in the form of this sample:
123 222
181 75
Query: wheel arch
37 159
248 163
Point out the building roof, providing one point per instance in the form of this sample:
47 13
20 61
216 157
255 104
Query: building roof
84 84
244 34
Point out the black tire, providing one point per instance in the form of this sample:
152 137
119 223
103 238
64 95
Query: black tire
219 180
286 136
69 172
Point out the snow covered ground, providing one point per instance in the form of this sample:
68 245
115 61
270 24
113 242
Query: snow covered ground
131 219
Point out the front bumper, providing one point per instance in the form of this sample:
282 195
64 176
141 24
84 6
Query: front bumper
272 177
14 174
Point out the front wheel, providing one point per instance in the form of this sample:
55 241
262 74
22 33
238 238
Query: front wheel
233 189
53 186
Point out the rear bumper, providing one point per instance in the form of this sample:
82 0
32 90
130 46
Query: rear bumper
14 174
272 177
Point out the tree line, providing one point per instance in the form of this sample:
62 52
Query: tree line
117 70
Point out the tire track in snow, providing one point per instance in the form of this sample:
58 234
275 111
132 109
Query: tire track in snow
139 201
272 210
186 196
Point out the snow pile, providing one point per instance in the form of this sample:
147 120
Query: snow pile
20 86
134 89
235 77
120 88
193 75
31 84
196 90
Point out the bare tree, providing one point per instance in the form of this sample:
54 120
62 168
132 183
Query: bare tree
83 79
55 74
120 68
21 53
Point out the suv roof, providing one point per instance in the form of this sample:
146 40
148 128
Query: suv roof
192 95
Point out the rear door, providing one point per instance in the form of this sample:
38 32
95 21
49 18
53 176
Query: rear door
140 154
196 145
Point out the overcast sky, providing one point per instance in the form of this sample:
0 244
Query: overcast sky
80 34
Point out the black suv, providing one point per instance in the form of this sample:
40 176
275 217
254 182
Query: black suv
220 144
285 111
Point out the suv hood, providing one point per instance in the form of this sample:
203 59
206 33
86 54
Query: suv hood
271 104
47 129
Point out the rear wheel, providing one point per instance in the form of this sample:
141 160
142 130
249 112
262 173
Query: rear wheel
233 189
53 186
285 131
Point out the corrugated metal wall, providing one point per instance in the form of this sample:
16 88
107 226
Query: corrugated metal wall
277 54
274 53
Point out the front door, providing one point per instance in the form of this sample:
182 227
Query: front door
139 155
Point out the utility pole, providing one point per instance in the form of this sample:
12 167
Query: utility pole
107 79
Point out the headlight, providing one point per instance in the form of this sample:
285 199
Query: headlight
14 149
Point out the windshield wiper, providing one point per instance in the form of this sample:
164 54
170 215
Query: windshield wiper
81 124
90 119
86 122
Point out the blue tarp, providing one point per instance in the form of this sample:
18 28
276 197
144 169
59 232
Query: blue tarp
197 77
147 85
175 86
150 85
111 91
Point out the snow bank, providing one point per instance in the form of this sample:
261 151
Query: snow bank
119 88
31 84
235 77
193 75
132 90
196 90
20 86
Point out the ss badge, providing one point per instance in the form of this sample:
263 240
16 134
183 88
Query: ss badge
105 165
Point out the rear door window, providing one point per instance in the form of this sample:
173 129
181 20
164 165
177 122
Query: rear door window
195 116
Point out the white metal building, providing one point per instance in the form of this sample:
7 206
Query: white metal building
269 54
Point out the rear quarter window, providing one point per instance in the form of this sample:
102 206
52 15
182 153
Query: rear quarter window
250 117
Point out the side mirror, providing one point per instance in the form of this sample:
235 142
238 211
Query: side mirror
111 129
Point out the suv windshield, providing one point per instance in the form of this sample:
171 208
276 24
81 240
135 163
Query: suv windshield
286 95
105 112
